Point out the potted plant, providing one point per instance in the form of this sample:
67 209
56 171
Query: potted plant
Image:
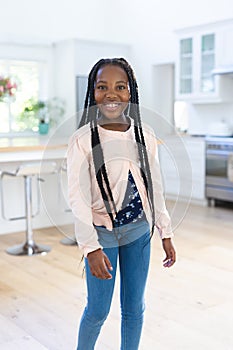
43 114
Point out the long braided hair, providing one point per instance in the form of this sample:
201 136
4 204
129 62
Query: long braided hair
90 115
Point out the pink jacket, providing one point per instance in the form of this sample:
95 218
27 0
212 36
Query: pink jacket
120 154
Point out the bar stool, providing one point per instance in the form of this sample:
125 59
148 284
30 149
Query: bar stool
27 171
66 240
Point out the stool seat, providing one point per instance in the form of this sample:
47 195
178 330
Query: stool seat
36 168
27 171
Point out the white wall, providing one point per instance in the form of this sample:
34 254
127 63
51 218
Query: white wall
88 52
39 53
63 69
47 21
148 27
202 116
124 21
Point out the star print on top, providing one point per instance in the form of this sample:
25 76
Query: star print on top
132 205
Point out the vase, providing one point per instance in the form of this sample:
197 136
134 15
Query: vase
43 128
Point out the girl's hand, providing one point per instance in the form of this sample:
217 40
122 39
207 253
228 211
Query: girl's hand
99 264
170 253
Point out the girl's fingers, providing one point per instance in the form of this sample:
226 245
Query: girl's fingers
108 263
104 274
101 270
170 258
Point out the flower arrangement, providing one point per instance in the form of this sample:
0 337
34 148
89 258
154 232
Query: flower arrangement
36 109
7 88
42 114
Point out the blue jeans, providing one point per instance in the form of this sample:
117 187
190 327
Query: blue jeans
134 256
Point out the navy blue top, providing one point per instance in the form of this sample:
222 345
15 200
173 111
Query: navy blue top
132 209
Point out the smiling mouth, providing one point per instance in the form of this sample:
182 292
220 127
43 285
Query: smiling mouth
111 106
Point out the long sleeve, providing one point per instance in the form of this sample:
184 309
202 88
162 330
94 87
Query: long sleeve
162 218
80 196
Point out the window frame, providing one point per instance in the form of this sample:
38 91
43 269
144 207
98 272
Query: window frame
42 91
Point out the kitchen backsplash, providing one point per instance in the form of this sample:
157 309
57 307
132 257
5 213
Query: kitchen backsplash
201 117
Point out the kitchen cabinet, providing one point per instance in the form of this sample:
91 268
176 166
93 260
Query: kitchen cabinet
182 161
225 40
199 51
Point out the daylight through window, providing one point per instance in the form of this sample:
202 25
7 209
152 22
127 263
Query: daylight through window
25 75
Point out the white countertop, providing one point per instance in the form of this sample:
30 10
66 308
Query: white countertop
31 148
182 138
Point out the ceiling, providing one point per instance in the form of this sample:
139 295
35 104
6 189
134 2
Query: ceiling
47 21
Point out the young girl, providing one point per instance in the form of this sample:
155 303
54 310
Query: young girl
117 200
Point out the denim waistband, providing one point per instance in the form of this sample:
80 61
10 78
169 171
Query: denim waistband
121 235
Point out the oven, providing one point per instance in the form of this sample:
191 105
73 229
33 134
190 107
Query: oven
218 184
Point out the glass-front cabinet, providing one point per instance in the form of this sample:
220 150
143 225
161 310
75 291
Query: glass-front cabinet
195 66
199 51
186 66
207 82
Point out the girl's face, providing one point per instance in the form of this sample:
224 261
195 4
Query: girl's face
111 91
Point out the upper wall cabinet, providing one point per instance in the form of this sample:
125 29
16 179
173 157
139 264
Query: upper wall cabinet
199 51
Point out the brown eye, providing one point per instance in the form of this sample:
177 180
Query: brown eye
101 87
121 87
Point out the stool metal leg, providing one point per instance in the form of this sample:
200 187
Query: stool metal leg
29 247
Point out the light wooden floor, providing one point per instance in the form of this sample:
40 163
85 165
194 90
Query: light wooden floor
189 307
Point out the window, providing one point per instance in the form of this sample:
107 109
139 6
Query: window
26 74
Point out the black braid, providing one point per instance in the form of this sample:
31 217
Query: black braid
100 169
98 162
90 116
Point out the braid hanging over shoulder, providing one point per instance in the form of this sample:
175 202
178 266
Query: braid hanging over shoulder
90 115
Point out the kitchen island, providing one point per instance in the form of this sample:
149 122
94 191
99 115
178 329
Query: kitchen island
21 150
31 148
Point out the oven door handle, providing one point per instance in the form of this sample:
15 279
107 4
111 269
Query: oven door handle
215 155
